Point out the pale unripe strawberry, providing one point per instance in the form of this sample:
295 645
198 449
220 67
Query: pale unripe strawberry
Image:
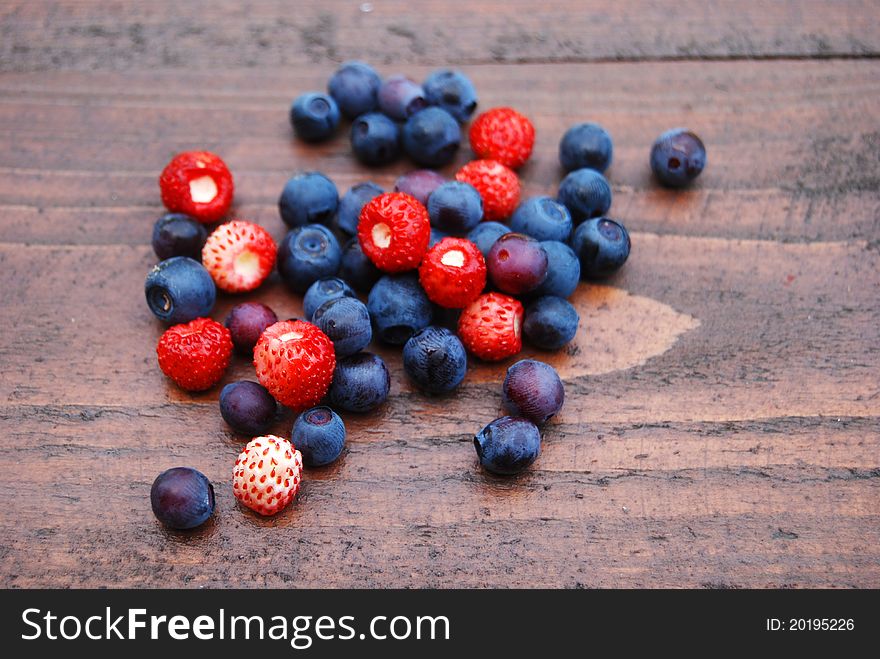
267 474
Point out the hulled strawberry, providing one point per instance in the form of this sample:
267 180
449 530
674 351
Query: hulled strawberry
295 362
503 134
198 184
195 354
498 187
394 231
453 273
267 474
490 327
239 255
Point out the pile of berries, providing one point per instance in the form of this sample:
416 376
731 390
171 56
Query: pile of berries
429 266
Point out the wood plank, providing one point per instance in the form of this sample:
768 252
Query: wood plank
790 144
93 34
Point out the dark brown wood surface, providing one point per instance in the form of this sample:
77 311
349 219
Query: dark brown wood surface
722 424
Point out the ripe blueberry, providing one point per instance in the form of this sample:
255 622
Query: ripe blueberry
179 290
398 307
602 245
314 116
319 434
585 145
355 86
485 234
431 137
563 270
375 139
323 290
175 234
306 254
508 445
532 389
419 183
452 91
182 498
357 268
677 157
585 193
455 207
308 198
360 383
435 359
247 407
351 203
347 322
550 322
400 97
542 218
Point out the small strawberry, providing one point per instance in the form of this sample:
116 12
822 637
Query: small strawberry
295 362
239 255
394 231
503 134
195 355
491 327
198 184
453 273
498 186
267 474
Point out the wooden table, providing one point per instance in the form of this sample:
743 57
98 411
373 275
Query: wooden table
722 425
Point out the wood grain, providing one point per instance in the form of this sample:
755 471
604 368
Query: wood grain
722 424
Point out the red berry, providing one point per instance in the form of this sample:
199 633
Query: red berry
491 327
239 255
453 273
267 474
295 362
498 186
198 184
195 355
503 134
394 231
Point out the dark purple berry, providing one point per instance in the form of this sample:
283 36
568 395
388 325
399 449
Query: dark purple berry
175 234
419 183
677 157
360 383
517 263
400 97
246 321
602 245
508 445
319 434
346 321
182 498
247 407
533 389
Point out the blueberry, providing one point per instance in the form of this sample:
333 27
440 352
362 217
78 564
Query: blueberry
357 268
452 91
563 270
585 145
246 321
485 234
319 434
455 207
375 139
585 193
179 290
400 98
677 157
550 322
323 290
517 263
532 389
435 359
508 445
351 204
431 137
542 218
346 322
355 86
602 245
419 183
307 254
308 198
436 237
360 383
175 234
182 498
247 407
314 116
398 307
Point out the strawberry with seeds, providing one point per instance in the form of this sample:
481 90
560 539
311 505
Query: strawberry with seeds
491 327
198 184
498 187
267 474
195 354
453 273
394 231
239 255
503 134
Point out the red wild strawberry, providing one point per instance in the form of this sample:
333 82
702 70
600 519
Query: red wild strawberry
195 355
491 327
239 255
503 134
295 362
197 183
394 231
453 273
498 186
267 474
